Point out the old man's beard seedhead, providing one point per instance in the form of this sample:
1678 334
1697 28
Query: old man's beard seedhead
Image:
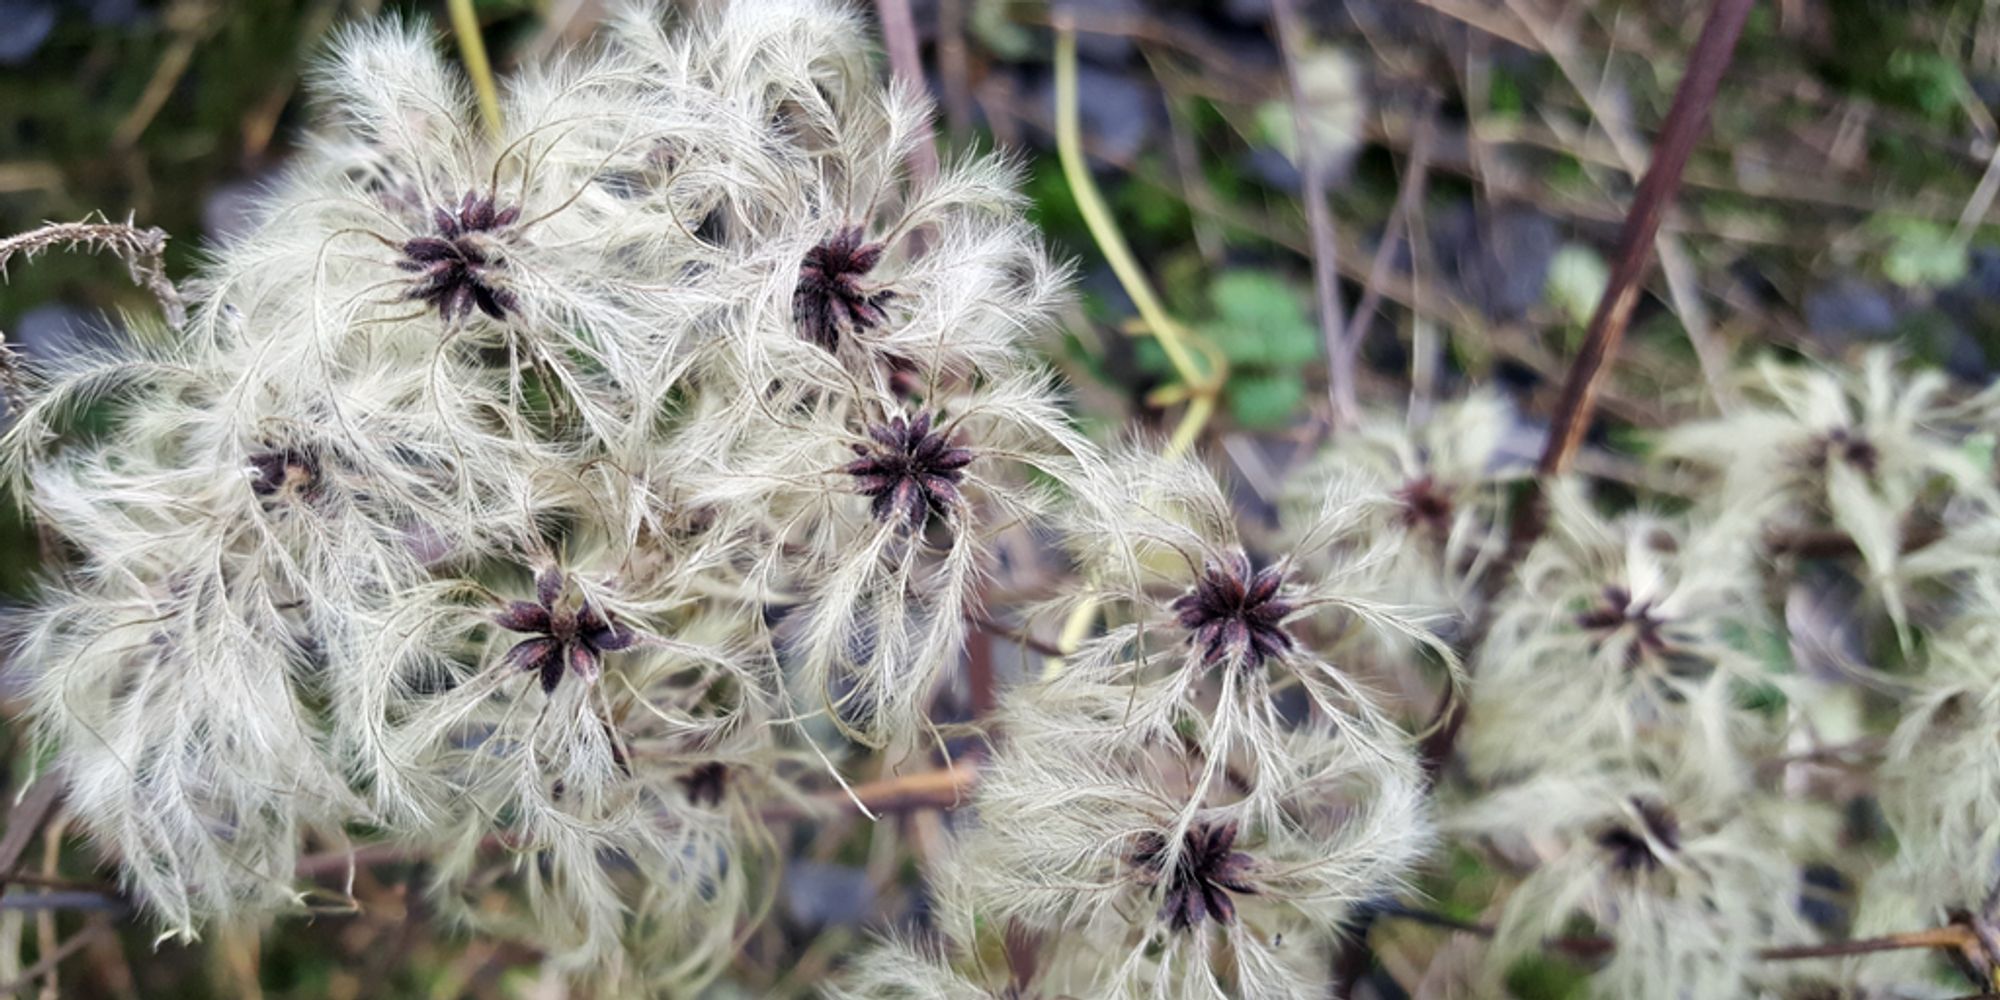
460 267
441 355
833 297
566 637
1196 881
1234 615
909 471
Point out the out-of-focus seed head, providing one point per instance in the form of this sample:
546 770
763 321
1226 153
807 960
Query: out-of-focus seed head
909 471
1637 847
706 783
1844 445
288 472
1619 610
1233 613
1425 506
457 266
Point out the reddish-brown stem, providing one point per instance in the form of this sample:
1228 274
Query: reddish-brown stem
25 819
979 673
939 788
1954 936
1686 120
1026 639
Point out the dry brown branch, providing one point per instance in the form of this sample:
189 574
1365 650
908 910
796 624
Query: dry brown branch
1341 343
1953 936
899 31
1416 174
24 820
1021 637
1433 304
142 250
1686 120
1678 267
32 974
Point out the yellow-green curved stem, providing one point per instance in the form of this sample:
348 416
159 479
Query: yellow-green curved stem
1173 337
1179 343
472 48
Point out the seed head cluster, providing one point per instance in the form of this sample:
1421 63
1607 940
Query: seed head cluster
564 638
1234 615
1205 871
523 489
909 471
833 297
583 494
460 266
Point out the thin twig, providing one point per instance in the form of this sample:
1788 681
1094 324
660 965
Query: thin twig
955 69
97 926
1020 637
142 250
46 903
1629 148
1436 305
1416 175
191 21
1981 201
1685 122
1176 340
1341 343
56 882
1953 936
1940 937
25 819
1217 62
899 32
979 674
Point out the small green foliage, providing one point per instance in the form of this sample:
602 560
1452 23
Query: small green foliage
1928 80
1577 276
1259 321
1542 977
1919 252
991 23
1264 400
1260 324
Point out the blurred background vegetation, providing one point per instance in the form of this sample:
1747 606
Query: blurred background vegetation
1483 154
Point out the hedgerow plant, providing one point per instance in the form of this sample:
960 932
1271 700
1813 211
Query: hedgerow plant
577 506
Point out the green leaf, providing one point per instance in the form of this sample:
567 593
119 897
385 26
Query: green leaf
1979 448
993 27
1152 358
1921 253
1265 401
1577 276
1259 321
1540 977
1335 104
